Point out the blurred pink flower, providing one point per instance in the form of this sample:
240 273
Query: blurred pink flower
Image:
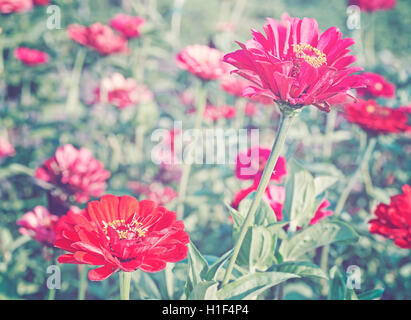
98 37
250 109
31 57
321 212
17 6
295 64
215 113
76 172
155 191
122 92
128 26
39 224
373 5
250 165
41 2
376 86
6 148
202 61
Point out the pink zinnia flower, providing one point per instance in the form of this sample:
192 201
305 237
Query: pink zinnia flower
155 191
31 57
17 6
250 165
376 119
393 220
122 92
295 64
39 224
215 113
202 61
6 148
76 172
321 212
128 26
373 5
41 2
376 86
98 37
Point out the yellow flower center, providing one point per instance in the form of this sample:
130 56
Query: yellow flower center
370 108
378 86
124 230
309 54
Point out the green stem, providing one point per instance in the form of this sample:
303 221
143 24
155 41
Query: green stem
82 287
365 157
285 123
125 278
169 277
73 95
201 99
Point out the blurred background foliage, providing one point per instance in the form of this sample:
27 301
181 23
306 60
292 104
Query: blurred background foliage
38 117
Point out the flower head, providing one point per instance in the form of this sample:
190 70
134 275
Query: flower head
376 86
122 92
6 148
373 5
250 165
98 37
393 220
376 119
76 172
295 64
123 233
202 61
128 26
155 191
31 57
214 113
17 6
39 224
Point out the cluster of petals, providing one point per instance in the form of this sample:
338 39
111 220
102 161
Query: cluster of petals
6 148
122 233
202 61
376 86
31 57
99 37
376 119
295 64
15 6
76 172
128 26
373 5
39 224
214 113
155 191
122 92
393 220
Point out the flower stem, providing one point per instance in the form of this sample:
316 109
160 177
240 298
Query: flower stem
201 99
365 157
125 278
73 95
285 123
82 286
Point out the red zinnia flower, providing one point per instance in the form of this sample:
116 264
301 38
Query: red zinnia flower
373 5
6 148
202 61
98 37
31 57
41 2
394 220
39 224
127 25
18 6
76 172
250 165
376 86
295 64
122 92
376 119
123 233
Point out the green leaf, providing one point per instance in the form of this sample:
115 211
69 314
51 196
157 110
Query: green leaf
205 290
337 285
197 265
373 294
301 268
322 183
252 284
299 204
320 234
214 269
